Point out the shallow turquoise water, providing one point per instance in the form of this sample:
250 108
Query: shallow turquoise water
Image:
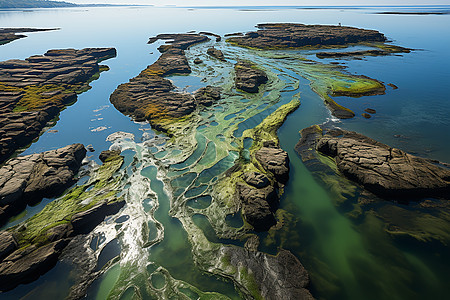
346 260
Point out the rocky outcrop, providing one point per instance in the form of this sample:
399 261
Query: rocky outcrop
258 194
26 265
216 53
208 95
249 77
273 277
108 154
373 52
8 35
274 160
26 180
258 206
32 248
288 35
385 171
34 90
150 96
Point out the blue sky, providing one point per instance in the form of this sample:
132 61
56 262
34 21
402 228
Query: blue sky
267 2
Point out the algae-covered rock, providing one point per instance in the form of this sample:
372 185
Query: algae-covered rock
40 240
28 179
269 277
33 91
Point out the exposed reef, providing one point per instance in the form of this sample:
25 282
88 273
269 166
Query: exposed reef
8 35
33 91
249 77
26 180
385 171
289 35
150 96
382 51
33 247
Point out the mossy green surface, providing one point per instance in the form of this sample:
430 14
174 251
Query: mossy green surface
101 186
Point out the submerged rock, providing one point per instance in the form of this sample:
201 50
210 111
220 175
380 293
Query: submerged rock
385 171
271 277
249 77
28 179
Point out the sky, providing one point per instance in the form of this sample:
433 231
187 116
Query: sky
267 2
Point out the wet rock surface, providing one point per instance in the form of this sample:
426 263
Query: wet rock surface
28 179
8 35
288 35
208 95
26 265
33 248
385 171
259 195
216 53
249 77
274 160
34 90
276 277
150 96
372 52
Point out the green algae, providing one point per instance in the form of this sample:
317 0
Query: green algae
34 231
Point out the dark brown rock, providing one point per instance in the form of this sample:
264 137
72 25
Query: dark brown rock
7 244
26 180
258 180
150 96
288 35
34 90
208 95
216 53
276 161
10 34
258 206
85 221
107 154
393 86
249 77
198 61
367 116
29 267
370 110
385 171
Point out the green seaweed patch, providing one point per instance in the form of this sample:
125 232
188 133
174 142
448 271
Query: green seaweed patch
248 280
101 187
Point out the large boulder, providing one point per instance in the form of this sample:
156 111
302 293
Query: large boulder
385 171
249 77
274 160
